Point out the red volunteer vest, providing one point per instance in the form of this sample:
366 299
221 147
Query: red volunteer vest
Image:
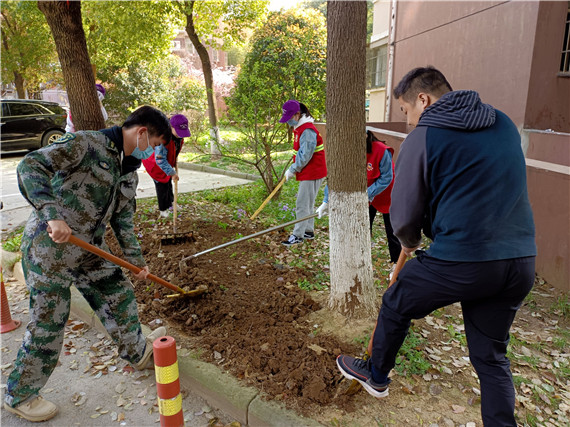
317 166
382 201
154 170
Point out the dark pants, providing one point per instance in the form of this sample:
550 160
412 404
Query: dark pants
490 294
164 194
394 246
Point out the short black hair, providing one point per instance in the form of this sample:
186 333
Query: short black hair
151 118
422 79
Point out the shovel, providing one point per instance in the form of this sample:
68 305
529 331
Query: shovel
355 385
133 268
175 237
182 263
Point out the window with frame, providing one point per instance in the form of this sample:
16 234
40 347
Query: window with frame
376 67
565 60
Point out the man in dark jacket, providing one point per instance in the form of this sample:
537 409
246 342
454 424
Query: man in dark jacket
461 177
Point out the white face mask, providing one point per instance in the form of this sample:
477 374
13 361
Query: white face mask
142 154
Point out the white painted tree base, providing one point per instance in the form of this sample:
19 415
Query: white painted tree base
352 290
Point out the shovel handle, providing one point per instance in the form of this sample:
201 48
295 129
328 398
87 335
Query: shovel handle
398 268
175 204
399 265
120 262
275 190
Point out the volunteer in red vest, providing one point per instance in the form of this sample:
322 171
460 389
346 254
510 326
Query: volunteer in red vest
380 176
161 165
309 167
380 180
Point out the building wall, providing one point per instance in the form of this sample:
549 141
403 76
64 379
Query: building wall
484 46
548 105
377 107
380 26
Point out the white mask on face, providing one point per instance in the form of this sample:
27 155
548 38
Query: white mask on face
142 154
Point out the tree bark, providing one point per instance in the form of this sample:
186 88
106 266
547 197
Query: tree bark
64 20
208 79
19 82
352 290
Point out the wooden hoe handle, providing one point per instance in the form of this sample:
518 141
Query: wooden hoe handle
277 187
120 262
399 265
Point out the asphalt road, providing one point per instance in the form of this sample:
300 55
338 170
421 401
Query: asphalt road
16 210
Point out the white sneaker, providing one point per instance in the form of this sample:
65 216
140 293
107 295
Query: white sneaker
144 362
164 214
392 271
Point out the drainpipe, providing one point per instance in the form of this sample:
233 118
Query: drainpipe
393 7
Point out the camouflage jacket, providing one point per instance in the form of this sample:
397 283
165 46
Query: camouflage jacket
78 179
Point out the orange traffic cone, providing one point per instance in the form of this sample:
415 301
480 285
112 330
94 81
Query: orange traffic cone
6 322
167 382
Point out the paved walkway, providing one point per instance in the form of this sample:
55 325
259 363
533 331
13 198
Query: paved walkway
16 209
92 386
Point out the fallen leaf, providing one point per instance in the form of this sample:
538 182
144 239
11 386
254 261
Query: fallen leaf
457 409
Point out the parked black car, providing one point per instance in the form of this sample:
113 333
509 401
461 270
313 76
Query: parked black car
27 124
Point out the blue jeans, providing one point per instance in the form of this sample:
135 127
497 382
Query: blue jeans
490 294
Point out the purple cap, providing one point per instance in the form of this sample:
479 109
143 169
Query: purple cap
180 124
100 88
290 108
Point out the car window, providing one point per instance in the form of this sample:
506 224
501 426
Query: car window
42 109
5 110
22 109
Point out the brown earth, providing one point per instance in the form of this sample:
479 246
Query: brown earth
256 323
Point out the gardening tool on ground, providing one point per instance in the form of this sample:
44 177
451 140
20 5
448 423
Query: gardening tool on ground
182 262
133 268
355 385
275 190
176 237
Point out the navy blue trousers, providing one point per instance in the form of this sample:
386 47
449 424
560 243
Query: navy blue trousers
490 294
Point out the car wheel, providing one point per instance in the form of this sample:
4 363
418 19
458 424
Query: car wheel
51 136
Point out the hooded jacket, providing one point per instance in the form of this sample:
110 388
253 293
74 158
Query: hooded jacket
461 177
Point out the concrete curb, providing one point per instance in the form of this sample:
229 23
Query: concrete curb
221 390
210 169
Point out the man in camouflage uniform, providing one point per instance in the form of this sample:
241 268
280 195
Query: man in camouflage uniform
78 185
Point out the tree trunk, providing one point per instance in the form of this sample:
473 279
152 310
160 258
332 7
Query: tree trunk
208 79
64 20
19 82
352 289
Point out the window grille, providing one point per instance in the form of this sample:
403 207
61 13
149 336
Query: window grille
376 67
565 60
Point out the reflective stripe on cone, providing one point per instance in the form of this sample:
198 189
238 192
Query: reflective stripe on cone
167 382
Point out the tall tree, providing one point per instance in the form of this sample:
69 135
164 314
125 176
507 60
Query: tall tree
64 19
121 34
217 23
28 52
287 60
352 290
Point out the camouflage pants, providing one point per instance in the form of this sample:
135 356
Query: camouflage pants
106 289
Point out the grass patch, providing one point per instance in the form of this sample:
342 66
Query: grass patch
561 306
411 359
13 240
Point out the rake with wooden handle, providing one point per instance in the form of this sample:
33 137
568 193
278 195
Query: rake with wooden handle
266 201
131 267
355 385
